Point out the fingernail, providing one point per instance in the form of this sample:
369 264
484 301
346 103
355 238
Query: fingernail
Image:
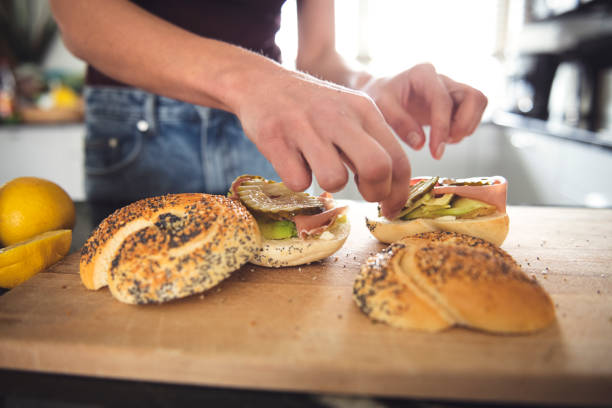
440 150
414 139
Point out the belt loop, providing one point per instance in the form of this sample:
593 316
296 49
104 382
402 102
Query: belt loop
148 123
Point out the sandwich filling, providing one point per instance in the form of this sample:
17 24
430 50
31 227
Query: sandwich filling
455 198
282 213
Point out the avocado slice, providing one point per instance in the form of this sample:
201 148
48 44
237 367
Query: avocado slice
273 229
428 201
461 208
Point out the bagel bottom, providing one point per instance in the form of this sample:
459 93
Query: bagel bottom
492 228
278 253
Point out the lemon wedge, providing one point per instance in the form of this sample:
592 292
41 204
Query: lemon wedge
19 262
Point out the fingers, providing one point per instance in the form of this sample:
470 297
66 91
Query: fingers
470 105
425 84
441 113
323 159
287 161
400 173
382 168
404 125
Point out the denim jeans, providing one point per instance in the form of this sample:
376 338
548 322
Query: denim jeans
139 145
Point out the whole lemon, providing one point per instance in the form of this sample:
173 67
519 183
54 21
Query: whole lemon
30 206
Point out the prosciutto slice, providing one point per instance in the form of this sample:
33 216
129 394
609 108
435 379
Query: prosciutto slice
494 194
308 225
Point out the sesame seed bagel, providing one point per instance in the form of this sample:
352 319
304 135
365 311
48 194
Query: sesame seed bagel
468 281
278 253
383 294
168 247
492 228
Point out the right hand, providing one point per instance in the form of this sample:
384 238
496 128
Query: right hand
304 125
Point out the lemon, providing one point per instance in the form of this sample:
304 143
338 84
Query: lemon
30 206
64 97
19 262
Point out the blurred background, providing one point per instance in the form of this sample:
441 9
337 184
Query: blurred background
545 65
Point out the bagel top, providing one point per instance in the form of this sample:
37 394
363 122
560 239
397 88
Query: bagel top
467 280
165 247
382 292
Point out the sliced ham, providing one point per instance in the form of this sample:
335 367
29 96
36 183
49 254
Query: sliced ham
308 225
494 194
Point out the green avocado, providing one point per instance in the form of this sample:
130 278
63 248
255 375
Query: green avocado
273 229
460 208
425 205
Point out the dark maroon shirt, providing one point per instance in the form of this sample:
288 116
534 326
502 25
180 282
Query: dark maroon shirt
251 24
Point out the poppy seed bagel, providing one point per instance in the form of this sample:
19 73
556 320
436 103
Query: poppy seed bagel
466 280
381 293
167 247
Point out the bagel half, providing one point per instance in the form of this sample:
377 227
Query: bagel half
463 281
297 251
317 228
492 228
169 247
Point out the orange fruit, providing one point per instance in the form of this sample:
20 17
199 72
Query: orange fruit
30 206
21 261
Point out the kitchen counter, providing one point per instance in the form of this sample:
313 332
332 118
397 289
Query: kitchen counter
237 337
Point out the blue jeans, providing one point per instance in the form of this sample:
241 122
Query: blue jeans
139 145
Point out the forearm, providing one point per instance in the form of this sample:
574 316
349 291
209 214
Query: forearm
135 47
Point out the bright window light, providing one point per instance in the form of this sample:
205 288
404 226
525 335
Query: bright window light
459 37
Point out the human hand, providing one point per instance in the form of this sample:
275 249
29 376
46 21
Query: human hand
302 124
420 96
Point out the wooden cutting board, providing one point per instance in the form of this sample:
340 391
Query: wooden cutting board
299 329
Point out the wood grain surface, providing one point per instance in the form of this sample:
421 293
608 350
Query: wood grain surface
299 329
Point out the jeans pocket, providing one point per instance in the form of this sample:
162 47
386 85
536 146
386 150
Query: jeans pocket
111 144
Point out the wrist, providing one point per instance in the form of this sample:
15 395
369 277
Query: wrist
238 76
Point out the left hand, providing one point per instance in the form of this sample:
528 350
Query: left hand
420 96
